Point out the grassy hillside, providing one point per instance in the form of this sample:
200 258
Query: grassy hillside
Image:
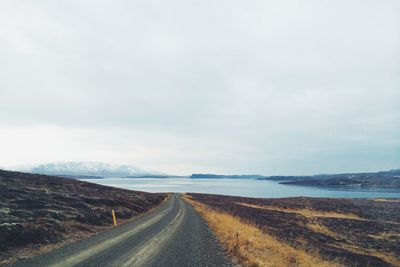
39 212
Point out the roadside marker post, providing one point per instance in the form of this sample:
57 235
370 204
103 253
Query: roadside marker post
114 219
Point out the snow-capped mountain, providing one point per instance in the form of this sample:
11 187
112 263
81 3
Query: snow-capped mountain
85 169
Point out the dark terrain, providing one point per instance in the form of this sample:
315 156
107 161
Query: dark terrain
39 212
355 232
384 180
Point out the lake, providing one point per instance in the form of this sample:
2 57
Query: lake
237 187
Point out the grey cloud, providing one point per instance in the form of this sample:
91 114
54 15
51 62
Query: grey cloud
249 87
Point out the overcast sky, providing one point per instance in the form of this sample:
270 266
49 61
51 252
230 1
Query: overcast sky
180 86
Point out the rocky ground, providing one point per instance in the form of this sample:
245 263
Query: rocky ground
355 232
39 212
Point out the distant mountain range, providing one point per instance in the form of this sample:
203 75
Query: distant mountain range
382 179
86 170
98 170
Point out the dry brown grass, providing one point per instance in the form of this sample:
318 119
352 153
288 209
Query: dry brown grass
391 258
386 200
309 213
385 235
252 247
319 228
387 257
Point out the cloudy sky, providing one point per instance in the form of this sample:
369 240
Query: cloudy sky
180 86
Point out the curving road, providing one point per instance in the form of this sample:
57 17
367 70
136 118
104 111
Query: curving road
171 235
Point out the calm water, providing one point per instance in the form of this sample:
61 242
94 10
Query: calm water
236 187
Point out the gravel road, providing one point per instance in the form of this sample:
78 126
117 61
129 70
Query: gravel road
171 235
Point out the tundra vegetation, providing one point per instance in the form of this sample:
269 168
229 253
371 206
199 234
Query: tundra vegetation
304 231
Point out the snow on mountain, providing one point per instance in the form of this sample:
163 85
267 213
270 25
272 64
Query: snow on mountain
85 168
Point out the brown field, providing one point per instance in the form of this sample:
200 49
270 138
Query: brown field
305 231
